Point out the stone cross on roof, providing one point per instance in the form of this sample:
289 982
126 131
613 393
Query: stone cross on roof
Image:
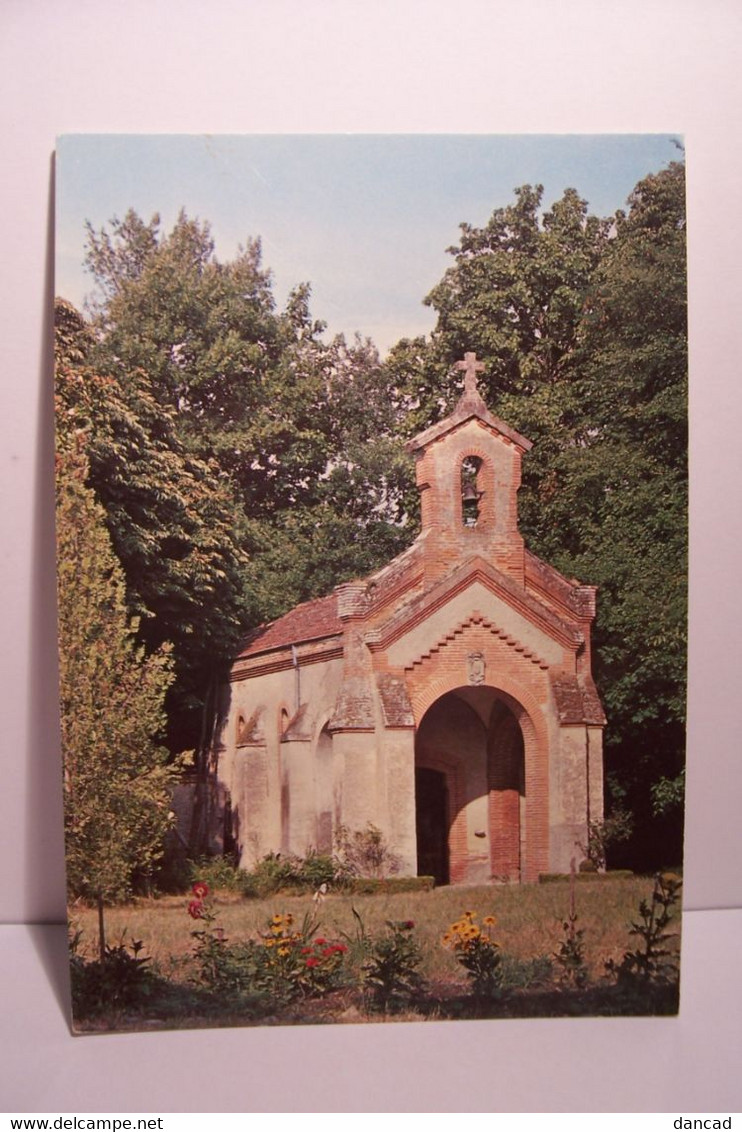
471 368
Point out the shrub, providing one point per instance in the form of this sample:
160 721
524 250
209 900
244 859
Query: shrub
570 956
286 962
216 873
120 980
391 980
320 868
523 974
652 962
276 873
617 827
477 952
365 852
585 874
371 886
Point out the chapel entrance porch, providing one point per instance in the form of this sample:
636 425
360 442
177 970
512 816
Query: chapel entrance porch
470 789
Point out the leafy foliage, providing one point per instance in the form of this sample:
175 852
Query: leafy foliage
365 852
391 979
121 979
570 955
652 961
601 835
116 783
286 962
477 952
169 517
244 462
279 873
581 325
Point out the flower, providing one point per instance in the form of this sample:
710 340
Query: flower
200 890
408 925
489 920
196 909
311 962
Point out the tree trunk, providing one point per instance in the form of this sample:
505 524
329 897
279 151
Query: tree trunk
101 930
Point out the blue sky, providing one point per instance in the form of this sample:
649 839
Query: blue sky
365 219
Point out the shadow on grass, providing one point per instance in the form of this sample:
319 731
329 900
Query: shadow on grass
171 1005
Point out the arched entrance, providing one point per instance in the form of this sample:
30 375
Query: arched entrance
470 788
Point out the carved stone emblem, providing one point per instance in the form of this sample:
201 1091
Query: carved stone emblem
476 665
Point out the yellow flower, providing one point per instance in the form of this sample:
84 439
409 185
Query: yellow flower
283 950
489 920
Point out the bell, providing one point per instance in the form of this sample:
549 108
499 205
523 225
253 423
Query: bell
470 505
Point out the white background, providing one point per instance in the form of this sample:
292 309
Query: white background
483 66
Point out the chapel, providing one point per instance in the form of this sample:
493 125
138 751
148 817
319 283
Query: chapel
447 699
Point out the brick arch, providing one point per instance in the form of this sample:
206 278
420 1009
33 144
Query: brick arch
531 720
485 481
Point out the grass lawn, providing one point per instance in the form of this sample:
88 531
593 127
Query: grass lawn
528 925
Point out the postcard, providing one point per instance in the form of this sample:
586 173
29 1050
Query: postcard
371 469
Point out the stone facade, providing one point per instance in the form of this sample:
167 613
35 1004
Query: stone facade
447 699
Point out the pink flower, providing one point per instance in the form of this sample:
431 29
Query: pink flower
195 909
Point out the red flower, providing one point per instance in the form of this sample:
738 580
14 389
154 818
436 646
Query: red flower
312 962
195 909
200 890
408 925
320 942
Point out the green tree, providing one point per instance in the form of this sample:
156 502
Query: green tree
116 782
581 324
516 295
516 291
633 392
302 431
172 520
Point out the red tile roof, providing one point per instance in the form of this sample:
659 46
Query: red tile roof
310 621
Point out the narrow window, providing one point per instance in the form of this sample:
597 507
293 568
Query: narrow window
470 493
